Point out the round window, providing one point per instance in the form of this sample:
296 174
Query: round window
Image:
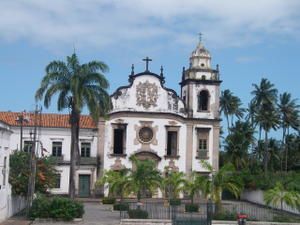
146 134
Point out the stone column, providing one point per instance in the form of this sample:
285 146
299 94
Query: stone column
101 139
216 146
100 153
189 148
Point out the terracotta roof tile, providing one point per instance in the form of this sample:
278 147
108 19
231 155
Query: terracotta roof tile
46 120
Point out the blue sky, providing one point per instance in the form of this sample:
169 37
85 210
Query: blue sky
248 39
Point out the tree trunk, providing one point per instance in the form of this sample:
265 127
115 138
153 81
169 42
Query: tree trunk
74 151
282 148
266 153
228 127
286 151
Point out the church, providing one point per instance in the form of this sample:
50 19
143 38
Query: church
151 121
147 120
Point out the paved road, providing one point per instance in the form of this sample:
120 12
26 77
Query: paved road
95 214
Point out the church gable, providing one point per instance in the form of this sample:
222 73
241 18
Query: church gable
146 93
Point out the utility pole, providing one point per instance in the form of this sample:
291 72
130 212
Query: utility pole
32 163
21 119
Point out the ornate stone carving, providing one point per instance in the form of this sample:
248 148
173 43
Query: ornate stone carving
172 165
145 134
117 165
146 94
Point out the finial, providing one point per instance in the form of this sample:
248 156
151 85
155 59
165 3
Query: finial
147 60
161 71
183 72
132 69
162 74
200 37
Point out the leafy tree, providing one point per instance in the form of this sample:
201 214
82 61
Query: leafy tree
174 183
77 85
144 177
265 98
19 172
230 105
279 195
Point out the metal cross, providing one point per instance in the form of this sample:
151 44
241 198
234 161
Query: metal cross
147 60
200 37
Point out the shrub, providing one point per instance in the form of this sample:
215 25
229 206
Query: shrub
137 214
121 206
191 207
175 201
108 200
224 216
56 208
285 219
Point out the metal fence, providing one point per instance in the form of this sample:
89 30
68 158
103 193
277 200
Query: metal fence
178 215
257 212
208 211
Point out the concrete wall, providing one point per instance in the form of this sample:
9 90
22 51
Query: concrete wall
257 196
11 205
145 222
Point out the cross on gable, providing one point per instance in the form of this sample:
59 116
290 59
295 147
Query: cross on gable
147 60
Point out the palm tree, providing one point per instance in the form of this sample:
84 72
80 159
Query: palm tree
117 182
197 184
174 183
268 119
76 85
230 105
223 179
279 195
274 154
238 142
144 177
265 97
289 117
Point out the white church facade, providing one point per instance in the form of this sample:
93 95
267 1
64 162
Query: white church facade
147 120
151 121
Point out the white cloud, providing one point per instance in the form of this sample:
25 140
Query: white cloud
106 23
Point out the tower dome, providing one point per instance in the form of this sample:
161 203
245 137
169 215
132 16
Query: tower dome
200 51
200 57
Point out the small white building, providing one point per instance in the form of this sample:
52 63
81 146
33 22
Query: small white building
9 204
54 138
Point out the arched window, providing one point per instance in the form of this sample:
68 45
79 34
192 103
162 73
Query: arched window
203 100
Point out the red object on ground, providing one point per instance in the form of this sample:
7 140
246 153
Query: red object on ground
242 216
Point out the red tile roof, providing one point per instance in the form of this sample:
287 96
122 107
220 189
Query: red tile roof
46 120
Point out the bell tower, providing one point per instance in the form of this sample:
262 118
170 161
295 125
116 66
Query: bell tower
200 85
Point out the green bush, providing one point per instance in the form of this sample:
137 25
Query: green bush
121 206
191 207
137 214
56 208
175 201
285 219
108 200
224 216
